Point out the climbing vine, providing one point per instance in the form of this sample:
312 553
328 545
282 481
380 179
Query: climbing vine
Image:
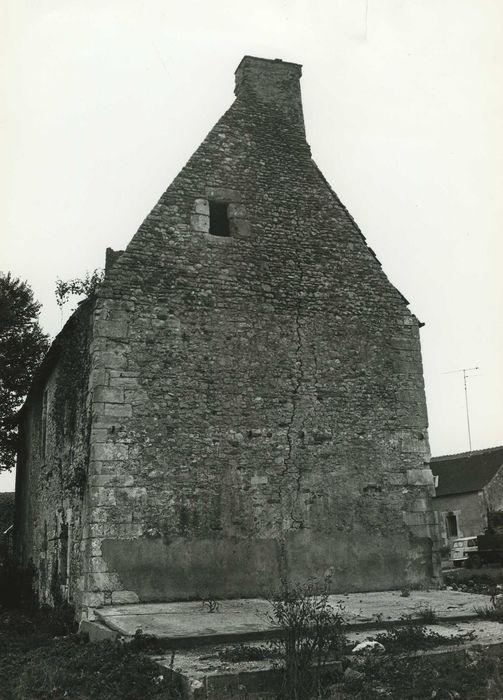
69 398
86 285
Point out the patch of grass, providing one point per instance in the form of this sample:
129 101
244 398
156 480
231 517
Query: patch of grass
489 613
41 657
247 652
419 678
16 586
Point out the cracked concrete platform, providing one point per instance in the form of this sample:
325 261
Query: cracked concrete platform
189 624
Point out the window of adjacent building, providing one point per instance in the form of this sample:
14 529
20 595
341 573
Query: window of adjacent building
451 522
219 219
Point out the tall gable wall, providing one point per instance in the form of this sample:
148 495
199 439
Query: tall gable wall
258 400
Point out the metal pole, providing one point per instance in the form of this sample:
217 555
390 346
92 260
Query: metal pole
465 375
467 411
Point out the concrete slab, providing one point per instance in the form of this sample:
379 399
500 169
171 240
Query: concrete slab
205 675
246 619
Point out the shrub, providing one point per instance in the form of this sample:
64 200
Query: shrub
311 634
412 637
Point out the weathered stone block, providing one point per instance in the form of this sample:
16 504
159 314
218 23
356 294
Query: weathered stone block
419 477
200 223
201 206
118 410
236 211
103 582
108 394
111 329
109 450
94 600
124 597
97 565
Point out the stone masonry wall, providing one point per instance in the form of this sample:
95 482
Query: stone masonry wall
258 399
53 460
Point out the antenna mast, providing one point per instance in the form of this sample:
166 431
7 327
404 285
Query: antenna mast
465 370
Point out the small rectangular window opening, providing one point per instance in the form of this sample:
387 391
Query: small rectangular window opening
452 525
219 220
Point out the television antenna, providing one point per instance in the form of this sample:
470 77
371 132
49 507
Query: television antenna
465 371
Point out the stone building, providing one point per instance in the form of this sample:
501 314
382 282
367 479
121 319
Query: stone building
242 399
469 489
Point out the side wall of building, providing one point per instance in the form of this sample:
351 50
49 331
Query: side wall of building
469 509
51 479
258 399
494 492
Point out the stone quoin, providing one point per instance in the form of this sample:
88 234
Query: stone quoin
242 399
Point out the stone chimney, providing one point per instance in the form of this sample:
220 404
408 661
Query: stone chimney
274 82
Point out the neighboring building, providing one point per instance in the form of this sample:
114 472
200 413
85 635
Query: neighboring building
469 487
242 400
6 523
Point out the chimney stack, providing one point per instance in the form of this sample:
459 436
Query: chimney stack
274 82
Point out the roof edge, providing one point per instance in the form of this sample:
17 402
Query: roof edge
457 455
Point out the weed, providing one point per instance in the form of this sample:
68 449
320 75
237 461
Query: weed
211 603
311 634
427 614
406 638
488 613
414 678
246 652
405 592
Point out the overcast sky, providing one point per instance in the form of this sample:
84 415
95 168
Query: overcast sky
103 102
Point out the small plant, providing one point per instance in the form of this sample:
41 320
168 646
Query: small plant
405 592
311 635
246 652
86 285
211 603
412 637
488 613
427 614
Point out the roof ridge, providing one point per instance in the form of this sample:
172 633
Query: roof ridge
467 454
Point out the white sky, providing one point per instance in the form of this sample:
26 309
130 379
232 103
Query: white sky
103 102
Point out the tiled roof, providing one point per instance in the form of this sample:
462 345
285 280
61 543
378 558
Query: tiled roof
465 472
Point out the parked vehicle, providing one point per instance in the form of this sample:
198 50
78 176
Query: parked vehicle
463 549
472 552
489 551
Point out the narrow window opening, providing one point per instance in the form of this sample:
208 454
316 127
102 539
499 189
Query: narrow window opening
452 525
219 219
